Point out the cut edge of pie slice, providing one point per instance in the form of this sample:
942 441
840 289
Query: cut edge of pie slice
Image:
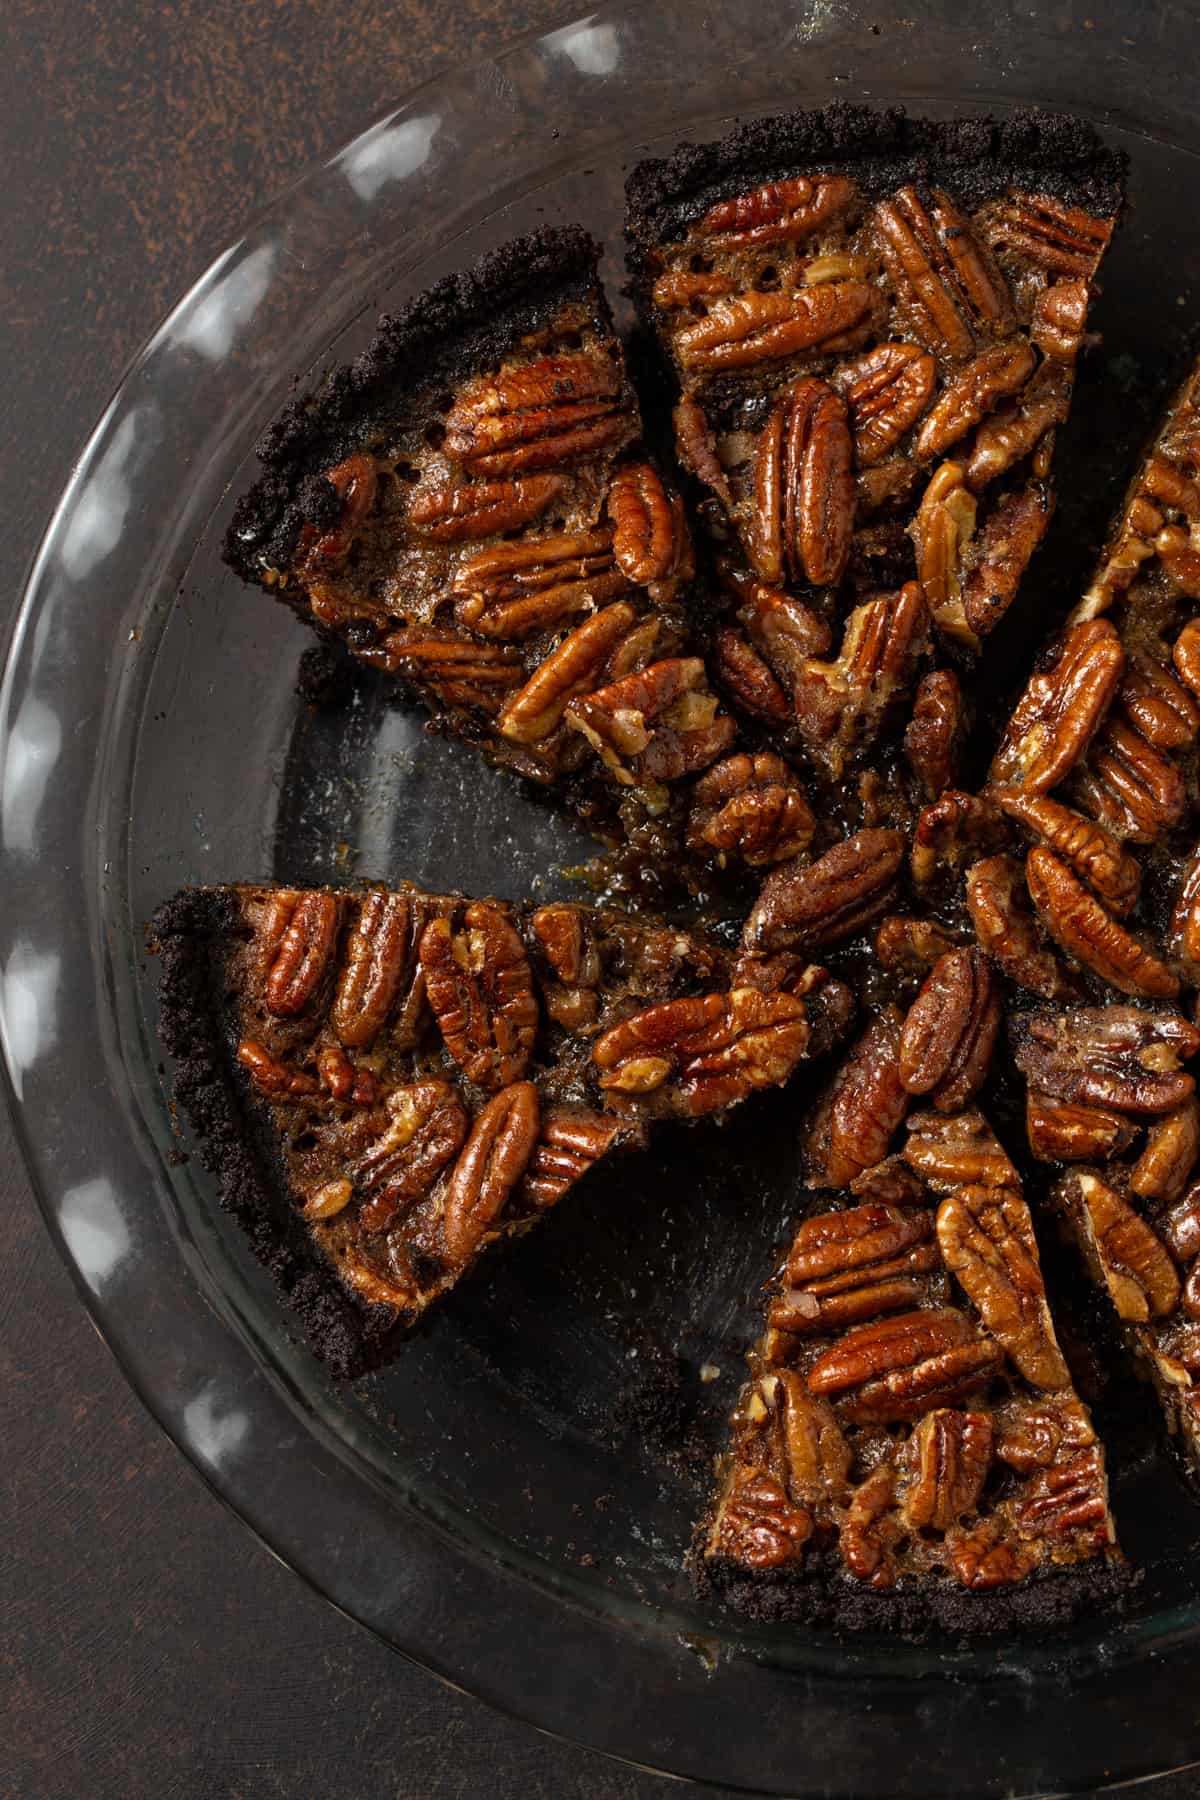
386 1081
872 324
910 1450
469 508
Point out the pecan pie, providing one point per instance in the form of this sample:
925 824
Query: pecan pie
469 508
872 325
386 1081
910 1439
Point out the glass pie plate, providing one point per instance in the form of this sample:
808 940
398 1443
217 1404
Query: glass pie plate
508 1503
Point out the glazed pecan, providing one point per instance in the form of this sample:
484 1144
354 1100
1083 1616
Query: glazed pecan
785 630
461 673
1181 1226
987 1242
513 589
270 1076
425 1129
328 1200
1062 239
1156 704
349 1085
951 831
758 327
900 1367
1136 1265
1129 785
950 1031
1059 320
845 1267
816 1454
887 390
355 481
696 1055
935 732
571 1140
656 724
948 1455
778 212
1091 851
1003 920
748 678
1061 709
955 1152
1124 1057
696 446
757 1524
1172 1145
562 934
534 713
942 531
911 945
1064 1131
1015 527
941 272
544 414
750 807
1185 918
982 1557
493 1160
479 509
1018 428
862 1110
481 991
804 906
374 967
841 705
870 1529
971 393
305 951
1180 560
649 533
1077 921
1186 655
1069 1497
885 487
803 487
681 287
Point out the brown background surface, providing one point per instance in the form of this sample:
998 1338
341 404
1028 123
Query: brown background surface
148 1645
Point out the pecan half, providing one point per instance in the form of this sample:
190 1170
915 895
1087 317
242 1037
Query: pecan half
425 1129
1061 709
1059 320
862 1110
531 715
757 1524
375 965
1091 851
870 1529
561 932
841 705
1136 1266
941 272
816 1453
492 1162
1077 921
355 481
1181 1226
1129 785
833 898
950 1031
656 724
845 1267
748 678
751 807
1064 1131
461 673
1125 1057
1180 560
804 494
649 538
949 1455
571 1140
1019 428
942 531
696 447
755 328
900 1367
1068 1498
304 954
481 993
1157 705
1063 239
983 1558
934 735
1016 526
270 1076
1185 918
778 212
887 390
1172 1145
1185 654
951 830
479 509
699 1054
347 1084
971 393
511 590
987 1241
1003 920
544 414
960 1151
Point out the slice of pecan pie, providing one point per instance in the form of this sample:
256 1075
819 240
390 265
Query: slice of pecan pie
910 1447
469 507
386 1081
871 325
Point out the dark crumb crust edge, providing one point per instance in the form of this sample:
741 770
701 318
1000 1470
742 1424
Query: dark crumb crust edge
465 322
190 933
976 158
822 1594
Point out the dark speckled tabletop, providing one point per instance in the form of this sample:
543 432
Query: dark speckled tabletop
150 1646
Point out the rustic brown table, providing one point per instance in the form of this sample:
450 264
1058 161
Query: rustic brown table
149 1646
